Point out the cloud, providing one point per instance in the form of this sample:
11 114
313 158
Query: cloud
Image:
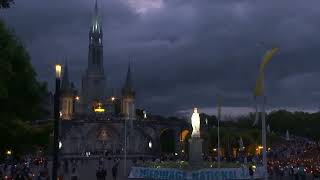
185 52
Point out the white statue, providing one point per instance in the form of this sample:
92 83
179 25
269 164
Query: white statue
241 146
195 121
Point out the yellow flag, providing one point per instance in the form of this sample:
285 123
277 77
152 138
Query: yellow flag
258 91
267 58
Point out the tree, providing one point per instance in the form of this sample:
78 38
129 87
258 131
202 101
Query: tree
21 95
6 3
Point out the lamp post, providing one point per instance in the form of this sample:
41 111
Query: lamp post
56 122
219 118
125 149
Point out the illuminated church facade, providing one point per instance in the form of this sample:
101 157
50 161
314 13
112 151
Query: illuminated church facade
92 121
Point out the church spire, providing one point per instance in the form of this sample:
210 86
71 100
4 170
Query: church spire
128 83
65 79
127 88
96 26
128 98
96 8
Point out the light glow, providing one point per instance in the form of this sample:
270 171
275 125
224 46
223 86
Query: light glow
9 152
58 71
150 144
113 98
77 98
99 109
144 114
60 144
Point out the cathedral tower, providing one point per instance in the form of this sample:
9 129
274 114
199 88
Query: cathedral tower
93 81
128 97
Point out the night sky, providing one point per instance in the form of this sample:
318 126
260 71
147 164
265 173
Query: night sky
184 52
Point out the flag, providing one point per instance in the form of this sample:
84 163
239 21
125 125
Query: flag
258 91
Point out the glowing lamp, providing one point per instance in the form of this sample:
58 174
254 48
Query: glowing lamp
113 98
60 144
58 71
150 144
9 152
144 114
77 98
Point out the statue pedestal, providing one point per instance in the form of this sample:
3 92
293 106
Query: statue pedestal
195 151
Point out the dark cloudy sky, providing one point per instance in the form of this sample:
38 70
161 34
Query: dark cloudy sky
185 51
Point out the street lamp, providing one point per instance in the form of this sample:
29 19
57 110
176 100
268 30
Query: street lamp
58 71
60 144
219 118
56 122
144 114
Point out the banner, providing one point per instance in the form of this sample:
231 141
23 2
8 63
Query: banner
258 91
203 174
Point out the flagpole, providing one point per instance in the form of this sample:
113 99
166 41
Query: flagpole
259 91
125 148
257 113
219 117
264 137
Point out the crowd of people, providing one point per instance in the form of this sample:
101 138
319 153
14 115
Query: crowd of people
28 168
36 168
296 157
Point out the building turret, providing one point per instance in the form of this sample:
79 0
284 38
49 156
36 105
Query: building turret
128 98
67 96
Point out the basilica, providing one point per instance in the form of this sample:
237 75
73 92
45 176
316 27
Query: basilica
94 123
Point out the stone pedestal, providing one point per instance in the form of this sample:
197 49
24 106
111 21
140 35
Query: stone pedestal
195 151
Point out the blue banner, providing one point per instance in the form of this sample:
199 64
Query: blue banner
203 174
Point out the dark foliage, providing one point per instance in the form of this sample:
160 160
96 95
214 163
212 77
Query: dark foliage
21 97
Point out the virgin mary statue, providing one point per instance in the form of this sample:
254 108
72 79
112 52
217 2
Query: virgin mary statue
195 121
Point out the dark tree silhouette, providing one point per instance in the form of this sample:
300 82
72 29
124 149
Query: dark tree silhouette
21 96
